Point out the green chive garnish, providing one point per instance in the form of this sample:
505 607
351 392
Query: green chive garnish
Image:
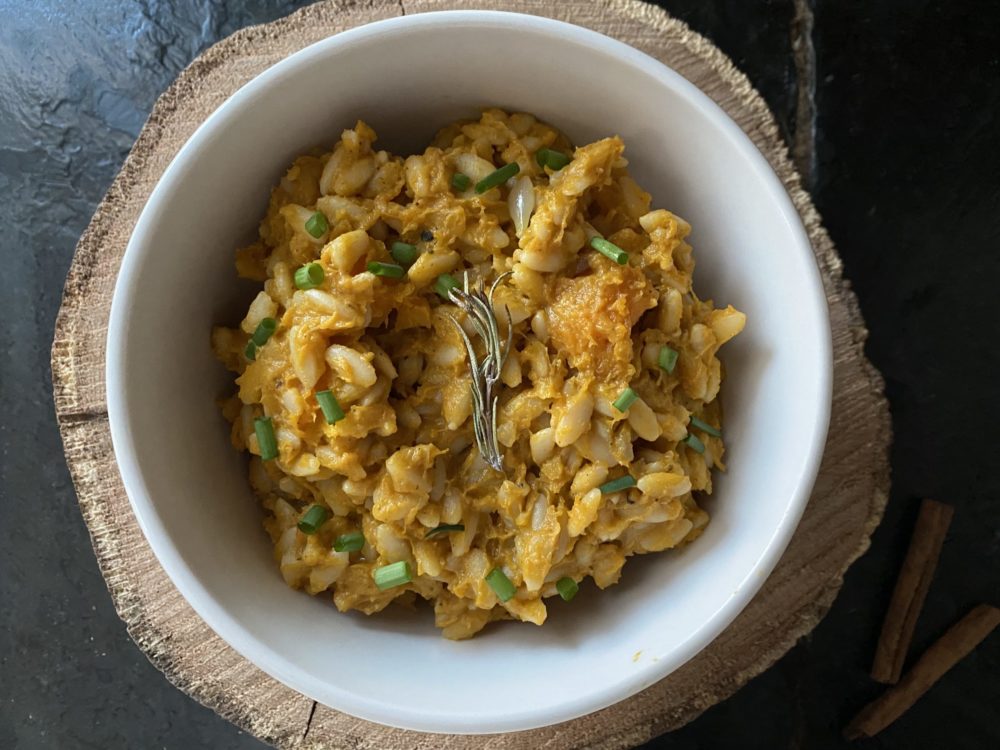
444 528
460 182
396 574
705 427
317 225
404 253
263 332
617 485
265 329
500 584
350 542
444 284
499 177
554 160
567 588
388 270
309 276
610 249
266 441
315 517
667 359
694 443
331 408
625 400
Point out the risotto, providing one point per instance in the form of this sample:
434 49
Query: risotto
474 376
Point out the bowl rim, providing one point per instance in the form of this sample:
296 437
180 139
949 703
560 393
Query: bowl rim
264 656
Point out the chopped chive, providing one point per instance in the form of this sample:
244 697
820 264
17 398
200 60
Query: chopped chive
667 359
315 517
567 588
500 584
554 160
331 408
309 276
389 576
251 351
609 249
617 485
317 225
386 270
266 441
427 235
265 329
444 284
350 542
460 182
694 443
404 253
499 177
444 528
625 400
705 427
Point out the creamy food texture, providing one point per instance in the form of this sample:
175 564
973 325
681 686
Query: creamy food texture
354 383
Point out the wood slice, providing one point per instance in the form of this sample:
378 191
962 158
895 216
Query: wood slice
846 505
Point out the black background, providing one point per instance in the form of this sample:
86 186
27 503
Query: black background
903 167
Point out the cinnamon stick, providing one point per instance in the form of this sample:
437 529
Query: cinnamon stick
911 590
946 652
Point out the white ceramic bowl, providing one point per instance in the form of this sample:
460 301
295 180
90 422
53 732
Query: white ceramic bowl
407 77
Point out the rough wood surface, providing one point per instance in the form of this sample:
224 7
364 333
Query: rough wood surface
847 503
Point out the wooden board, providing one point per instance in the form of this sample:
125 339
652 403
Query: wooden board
846 505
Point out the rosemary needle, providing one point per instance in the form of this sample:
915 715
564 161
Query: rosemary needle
484 373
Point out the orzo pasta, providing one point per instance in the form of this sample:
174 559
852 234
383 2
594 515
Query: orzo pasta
372 430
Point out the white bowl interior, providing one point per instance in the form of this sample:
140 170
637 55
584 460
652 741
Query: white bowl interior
189 487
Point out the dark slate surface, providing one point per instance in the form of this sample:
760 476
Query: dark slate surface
904 164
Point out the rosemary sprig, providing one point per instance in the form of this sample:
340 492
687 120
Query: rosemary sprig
485 373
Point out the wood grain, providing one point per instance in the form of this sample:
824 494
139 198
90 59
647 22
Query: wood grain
847 502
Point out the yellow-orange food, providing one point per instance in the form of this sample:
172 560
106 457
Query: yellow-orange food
404 459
